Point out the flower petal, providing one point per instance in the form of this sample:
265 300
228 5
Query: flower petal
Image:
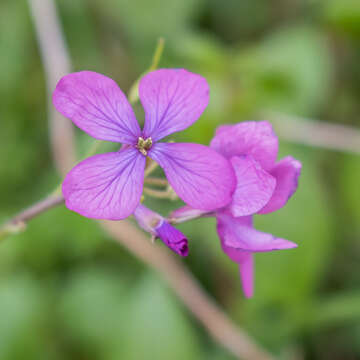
239 234
286 172
106 186
255 138
173 99
200 176
254 186
245 261
97 106
246 269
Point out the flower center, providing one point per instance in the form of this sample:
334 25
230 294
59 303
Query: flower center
143 145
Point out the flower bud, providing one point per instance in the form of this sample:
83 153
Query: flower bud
157 226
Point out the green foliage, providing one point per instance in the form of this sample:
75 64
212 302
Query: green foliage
289 71
344 15
158 320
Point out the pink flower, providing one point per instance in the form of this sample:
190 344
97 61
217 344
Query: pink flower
263 186
109 186
158 227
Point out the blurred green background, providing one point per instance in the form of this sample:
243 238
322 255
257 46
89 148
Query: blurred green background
67 291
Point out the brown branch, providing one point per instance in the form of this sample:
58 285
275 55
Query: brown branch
57 62
18 222
316 133
37 209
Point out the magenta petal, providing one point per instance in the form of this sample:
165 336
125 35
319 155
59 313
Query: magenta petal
254 186
255 138
246 269
96 105
238 234
173 238
173 99
286 172
106 186
200 176
245 261
223 128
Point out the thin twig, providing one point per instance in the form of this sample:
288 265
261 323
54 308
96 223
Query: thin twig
156 181
133 94
158 193
150 167
38 208
56 63
157 54
214 320
316 133
18 222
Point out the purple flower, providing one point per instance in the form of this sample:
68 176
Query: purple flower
158 227
263 186
109 186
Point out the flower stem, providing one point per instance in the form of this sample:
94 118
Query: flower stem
156 181
158 193
150 167
133 94
157 54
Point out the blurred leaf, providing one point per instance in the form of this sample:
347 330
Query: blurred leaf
233 22
15 43
157 328
23 314
146 21
79 29
94 309
336 310
289 71
344 15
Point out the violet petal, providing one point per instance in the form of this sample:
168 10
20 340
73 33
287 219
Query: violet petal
286 172
254 186
238 234
246 269
106 186
200 176
96 105
173 99
255 138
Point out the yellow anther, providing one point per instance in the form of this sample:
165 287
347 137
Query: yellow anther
144 145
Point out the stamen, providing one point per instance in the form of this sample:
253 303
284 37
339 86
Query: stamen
143 145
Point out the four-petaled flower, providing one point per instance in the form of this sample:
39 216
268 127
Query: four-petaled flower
263 186
109 186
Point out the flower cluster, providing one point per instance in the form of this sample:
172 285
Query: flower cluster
262 186
233 179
